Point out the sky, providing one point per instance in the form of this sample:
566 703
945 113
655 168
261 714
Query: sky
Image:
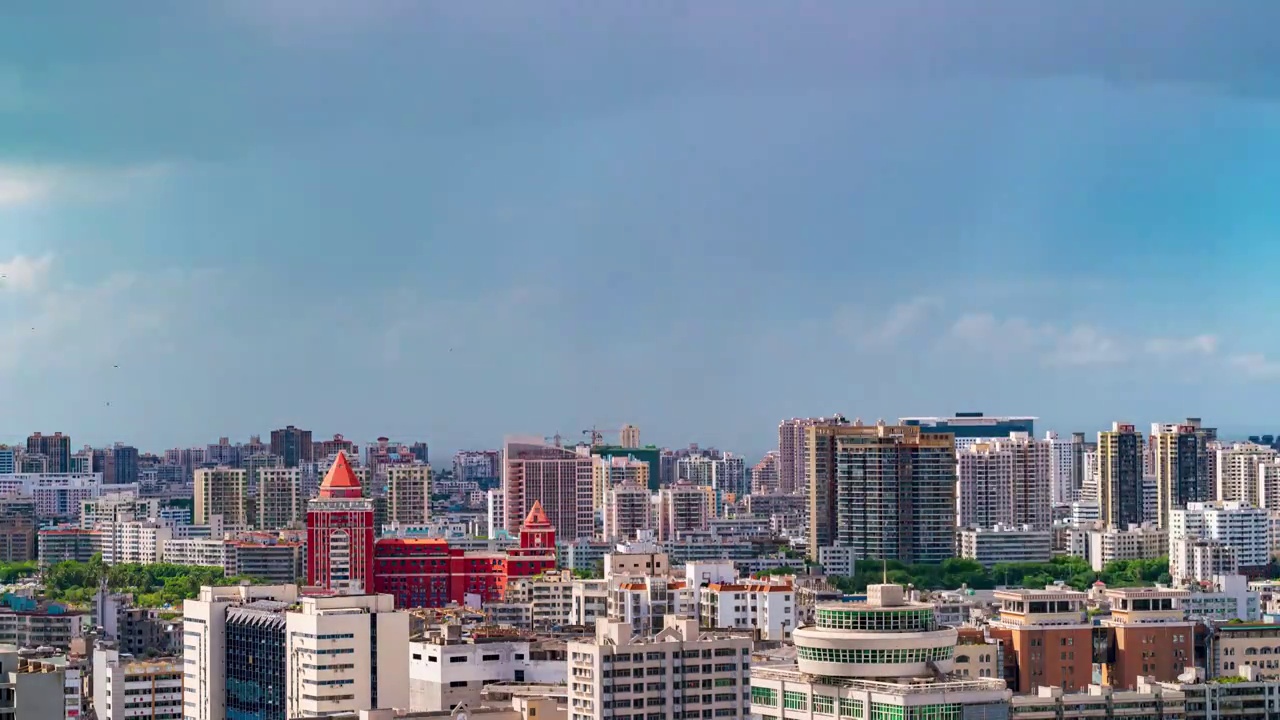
456 221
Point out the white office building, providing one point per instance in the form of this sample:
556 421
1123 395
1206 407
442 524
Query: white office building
446 669
279 653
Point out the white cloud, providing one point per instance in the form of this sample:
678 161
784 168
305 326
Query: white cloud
23 273
1255 365
1080 345
22 185
1196 345
884 328
66 324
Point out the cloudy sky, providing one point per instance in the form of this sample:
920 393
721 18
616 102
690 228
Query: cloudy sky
454 221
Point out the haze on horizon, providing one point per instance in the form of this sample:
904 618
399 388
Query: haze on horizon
457 221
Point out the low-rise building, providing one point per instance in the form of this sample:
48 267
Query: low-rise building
446 668
1006 544
129 688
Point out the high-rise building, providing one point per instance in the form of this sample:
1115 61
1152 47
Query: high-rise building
559 478
8 460
408 493
324 449
1238 474
1180 456
628 508
1005 482
649 455
420 452
280 505
293 445
56 448
1120 476
610 471
727 473
1061 467
629 436
1230 524
264 652
222 491
888 492
483 467
764 475
684 507
340 532
793 457
125 459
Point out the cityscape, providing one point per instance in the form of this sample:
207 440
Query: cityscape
925 567
660 360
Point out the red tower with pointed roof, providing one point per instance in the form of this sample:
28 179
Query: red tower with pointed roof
537 533
340 532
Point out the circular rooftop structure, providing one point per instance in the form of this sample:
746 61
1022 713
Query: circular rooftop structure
885 637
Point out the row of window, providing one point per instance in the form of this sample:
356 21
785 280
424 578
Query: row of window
874 655
912 620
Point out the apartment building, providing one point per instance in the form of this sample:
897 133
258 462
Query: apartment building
134 541
280 503
1006 544
560 478
628 508
1180 455
129 688
1238 471
1120 474
1005 482
1230 523
1136 542
611 471
766 606
670 675
684 507
222 491
408 493
888 492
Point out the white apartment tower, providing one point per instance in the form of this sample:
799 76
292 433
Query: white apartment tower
1237 471
1005 482
1231 524
678 673
628 507
684 507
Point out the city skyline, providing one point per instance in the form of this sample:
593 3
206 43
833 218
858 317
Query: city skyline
475 221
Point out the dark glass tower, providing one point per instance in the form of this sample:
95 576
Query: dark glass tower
255 663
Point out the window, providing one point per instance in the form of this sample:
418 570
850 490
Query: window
458 658
851 708
824 704
795 700
764 696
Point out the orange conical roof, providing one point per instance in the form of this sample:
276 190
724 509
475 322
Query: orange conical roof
341 480
537 516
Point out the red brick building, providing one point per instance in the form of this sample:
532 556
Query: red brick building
426 572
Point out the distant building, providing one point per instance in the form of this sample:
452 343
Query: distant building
971 427
340 532
293 445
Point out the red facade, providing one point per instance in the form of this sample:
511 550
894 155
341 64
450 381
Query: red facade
340 532
428 573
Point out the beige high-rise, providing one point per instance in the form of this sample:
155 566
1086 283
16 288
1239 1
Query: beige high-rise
222 491
408 493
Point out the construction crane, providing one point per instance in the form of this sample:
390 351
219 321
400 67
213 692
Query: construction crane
556 439
597 435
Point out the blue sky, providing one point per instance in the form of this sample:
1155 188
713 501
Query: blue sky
454 221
